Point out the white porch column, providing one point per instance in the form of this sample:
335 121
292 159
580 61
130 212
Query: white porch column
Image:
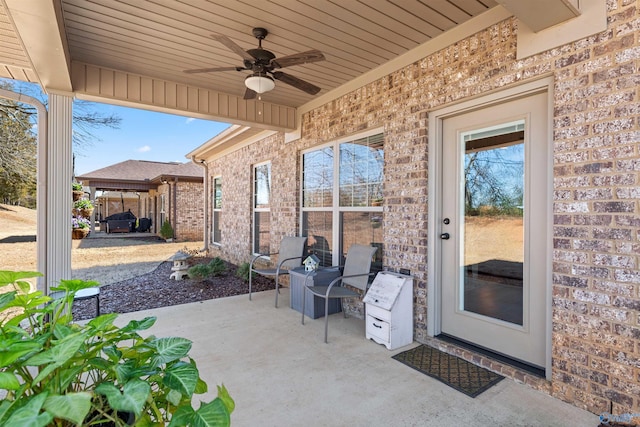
92 196
59 200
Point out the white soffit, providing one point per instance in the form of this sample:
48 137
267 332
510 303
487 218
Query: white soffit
541 14
592 20
39 29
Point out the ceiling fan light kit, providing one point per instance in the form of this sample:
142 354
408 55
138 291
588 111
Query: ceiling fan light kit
263 65
260 83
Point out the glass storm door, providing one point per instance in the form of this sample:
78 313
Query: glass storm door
493 228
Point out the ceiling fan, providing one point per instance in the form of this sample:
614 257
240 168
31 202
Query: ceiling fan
263 65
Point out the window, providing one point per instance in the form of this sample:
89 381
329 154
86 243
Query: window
217 210
163 213
261 208
342 198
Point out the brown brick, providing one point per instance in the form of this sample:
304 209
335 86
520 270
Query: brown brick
596 172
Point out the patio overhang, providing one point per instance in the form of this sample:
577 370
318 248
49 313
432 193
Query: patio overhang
135 53
119 185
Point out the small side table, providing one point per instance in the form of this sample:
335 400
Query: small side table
82 294
313 306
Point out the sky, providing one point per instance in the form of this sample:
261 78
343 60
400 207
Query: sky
141 135
144 135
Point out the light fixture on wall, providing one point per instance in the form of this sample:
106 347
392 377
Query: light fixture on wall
259 83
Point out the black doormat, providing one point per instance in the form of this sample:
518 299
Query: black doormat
451 370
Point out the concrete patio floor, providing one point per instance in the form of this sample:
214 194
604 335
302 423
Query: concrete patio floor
281 373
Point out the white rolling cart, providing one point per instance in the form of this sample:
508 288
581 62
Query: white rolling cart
389 310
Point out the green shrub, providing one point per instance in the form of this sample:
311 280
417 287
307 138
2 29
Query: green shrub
217 266
166 231
243 271
199 272
76 186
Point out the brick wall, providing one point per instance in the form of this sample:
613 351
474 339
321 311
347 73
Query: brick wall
236 171
188 224
596 109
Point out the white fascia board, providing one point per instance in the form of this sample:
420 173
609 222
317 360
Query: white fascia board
41 30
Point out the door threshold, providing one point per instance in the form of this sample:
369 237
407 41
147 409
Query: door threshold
531 369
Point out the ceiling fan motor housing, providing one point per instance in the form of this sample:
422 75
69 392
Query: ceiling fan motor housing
262 59
260 33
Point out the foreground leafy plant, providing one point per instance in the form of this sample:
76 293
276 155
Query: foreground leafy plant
54 372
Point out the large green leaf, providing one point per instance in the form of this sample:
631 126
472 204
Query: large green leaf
6 299
30 415
61 350
211 414
201 387
140 325
73 407
10 277
29 301
169 349
112 353
133 396
8 381
102 322
182 416
12 350
5 405
74 285
57 355
125 371
223 394
174 397
182 377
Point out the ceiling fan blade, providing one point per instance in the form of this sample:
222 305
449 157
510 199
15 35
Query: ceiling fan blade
296 82
298 58
233 46
250 94
210 70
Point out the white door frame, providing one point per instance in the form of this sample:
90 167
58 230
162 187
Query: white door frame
436 118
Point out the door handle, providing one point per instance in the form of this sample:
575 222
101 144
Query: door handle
445 236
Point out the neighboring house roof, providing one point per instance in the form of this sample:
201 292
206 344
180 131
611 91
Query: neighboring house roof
182 170
140 175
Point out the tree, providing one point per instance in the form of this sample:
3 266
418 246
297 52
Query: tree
18 144
18 149
494 179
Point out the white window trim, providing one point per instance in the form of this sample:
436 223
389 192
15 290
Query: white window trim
335 207
253 204
214 209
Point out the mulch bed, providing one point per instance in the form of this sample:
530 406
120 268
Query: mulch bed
156 289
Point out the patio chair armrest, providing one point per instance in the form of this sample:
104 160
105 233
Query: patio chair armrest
285 260
260 256
339 279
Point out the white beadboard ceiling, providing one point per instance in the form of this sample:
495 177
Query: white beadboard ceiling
161 38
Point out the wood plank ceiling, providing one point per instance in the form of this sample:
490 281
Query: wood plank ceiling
161 38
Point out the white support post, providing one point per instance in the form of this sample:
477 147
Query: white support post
92 196
59 176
